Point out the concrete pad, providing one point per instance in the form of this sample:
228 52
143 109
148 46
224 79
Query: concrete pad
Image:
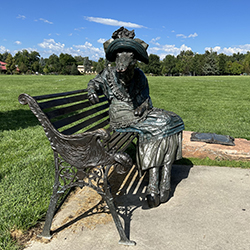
209 209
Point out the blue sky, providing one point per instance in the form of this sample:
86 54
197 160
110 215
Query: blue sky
80 27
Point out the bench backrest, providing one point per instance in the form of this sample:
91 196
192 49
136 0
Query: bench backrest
71 112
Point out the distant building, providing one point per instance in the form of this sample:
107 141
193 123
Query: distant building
81 69
3 67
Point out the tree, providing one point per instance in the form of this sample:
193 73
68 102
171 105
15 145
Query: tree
222 63
36 66
211 66
169 65
42 63
79 60
246 64
154 65
239 57
87 64
66 61
237 68
11 64
27 58
100 65
74 70
184 62
34 56
234 68
4 56
53 64
23 68
46 69
197 64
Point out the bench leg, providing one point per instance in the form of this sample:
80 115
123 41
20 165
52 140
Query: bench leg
123 238
53 201
49 217
108 198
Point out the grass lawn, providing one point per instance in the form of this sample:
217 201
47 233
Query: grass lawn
206 104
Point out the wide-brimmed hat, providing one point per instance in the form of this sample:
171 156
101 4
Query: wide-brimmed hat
137 46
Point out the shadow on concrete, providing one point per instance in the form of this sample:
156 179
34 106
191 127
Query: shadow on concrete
132 193
129 192
97 209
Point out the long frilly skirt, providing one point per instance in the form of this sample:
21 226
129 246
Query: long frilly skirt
160 138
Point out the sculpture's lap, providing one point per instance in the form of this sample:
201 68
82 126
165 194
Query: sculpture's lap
159 137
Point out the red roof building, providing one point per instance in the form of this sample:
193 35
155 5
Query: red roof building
3 66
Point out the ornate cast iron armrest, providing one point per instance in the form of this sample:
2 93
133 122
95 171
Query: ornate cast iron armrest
80 150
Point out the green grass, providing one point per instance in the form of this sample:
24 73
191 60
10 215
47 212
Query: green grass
206 104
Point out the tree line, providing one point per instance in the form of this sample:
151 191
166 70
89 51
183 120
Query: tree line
190 63
186 63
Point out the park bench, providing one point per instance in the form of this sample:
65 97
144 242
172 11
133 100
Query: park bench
85 148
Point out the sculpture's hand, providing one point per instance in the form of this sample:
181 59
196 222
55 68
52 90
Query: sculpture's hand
93 98
139 110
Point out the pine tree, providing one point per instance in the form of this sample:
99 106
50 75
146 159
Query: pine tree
211 66
74 70
11 65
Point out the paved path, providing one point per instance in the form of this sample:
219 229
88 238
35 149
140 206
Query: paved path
209 209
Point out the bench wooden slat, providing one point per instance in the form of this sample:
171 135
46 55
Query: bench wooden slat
66 110
128 142
114 135
49 96
115 138
68 120
72 108
100 125
122 139
62 101
85 124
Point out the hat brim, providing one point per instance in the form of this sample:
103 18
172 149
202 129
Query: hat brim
127 45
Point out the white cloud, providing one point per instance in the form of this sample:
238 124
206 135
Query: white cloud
101 40
3 49
167 49
79 29
21 17
50 46
181 35
231 50
17 42
155 39
89 50
28 49
113 22
189 36
45 21
193 35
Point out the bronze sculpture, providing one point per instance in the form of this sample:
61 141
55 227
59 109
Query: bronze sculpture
131 110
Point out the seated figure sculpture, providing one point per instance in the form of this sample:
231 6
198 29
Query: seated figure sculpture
131 110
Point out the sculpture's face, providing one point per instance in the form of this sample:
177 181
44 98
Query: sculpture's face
125 64
123 61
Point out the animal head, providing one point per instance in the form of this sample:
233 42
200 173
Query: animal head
124 61
125 64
